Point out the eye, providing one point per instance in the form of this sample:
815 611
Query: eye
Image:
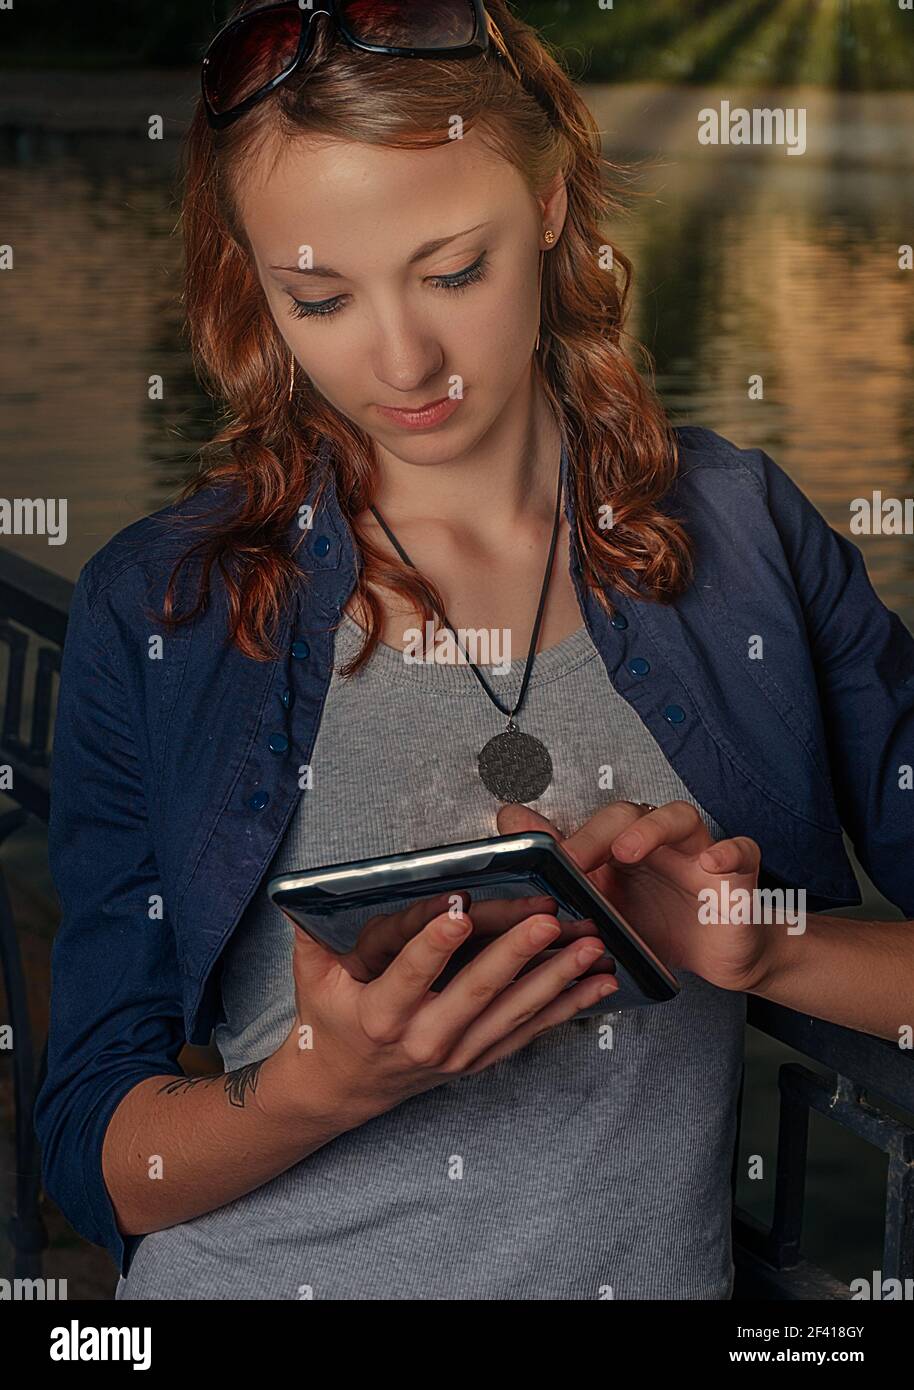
301 309
460 280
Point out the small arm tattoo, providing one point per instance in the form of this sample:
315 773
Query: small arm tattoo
238 1085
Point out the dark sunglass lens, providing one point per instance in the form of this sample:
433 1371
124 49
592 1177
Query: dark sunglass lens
410 23
250 55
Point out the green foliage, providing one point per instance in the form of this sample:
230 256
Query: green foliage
865 45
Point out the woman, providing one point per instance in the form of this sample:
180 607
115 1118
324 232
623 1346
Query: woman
396 278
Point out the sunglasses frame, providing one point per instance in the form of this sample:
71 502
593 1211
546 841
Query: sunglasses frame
479 44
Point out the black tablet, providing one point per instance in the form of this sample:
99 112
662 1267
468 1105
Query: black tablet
334 903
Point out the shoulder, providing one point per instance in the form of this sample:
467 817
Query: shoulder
752 525
742 499
709 461
140 558
761 538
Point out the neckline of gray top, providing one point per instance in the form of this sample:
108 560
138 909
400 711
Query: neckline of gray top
456 678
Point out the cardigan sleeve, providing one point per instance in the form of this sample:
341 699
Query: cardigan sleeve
864 661
115 1011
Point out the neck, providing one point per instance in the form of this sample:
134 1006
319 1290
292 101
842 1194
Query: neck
512 471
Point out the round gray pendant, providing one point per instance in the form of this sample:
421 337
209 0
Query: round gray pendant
515 767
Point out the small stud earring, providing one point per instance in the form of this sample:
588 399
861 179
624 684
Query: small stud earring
550 237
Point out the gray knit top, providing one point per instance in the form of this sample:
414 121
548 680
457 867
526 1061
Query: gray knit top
593 1163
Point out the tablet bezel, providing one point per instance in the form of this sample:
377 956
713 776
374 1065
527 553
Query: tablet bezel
531 857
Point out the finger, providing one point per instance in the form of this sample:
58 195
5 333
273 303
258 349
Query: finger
497 914
577 930
590 846
388 1002
509 1024
384 935
472 990
604 964
587 847
312 962
569 931
417 913
676 824
739 855
514 819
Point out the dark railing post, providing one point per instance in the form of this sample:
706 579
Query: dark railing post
790 1177
17 642
42 709
27 1231
33 605
770 1264
898 1250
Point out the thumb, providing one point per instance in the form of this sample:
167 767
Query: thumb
513 819
312 962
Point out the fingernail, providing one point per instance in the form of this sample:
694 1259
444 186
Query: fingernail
543 932
629 843
587 954
609 988
456 927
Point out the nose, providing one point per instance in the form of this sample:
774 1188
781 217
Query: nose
407 354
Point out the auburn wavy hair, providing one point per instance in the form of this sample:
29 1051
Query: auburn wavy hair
621 446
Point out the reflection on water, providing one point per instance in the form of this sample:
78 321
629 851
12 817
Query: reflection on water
789 271
792 275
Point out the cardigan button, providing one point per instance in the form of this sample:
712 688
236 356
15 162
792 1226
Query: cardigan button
287 697
322 546
619 622
674 713
259 800
300 649
639 666
278 743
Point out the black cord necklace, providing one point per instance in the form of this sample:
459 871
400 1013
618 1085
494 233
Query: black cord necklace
513 766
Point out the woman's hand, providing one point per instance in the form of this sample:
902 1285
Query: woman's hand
384 935
372 1045
652 866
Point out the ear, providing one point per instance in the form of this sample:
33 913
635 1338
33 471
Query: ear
514 818
553 203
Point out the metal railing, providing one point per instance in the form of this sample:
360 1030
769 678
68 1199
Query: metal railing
33 620
769 1264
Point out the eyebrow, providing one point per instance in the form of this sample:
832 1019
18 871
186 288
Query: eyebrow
422 253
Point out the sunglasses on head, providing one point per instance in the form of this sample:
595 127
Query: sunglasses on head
256 52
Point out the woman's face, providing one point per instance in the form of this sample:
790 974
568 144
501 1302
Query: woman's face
400 278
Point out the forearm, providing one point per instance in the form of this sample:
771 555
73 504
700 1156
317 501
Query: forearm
177 1147
856 973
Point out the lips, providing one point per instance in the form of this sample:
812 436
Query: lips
424 417
415 409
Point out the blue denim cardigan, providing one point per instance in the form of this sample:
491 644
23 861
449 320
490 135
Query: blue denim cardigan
175 778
